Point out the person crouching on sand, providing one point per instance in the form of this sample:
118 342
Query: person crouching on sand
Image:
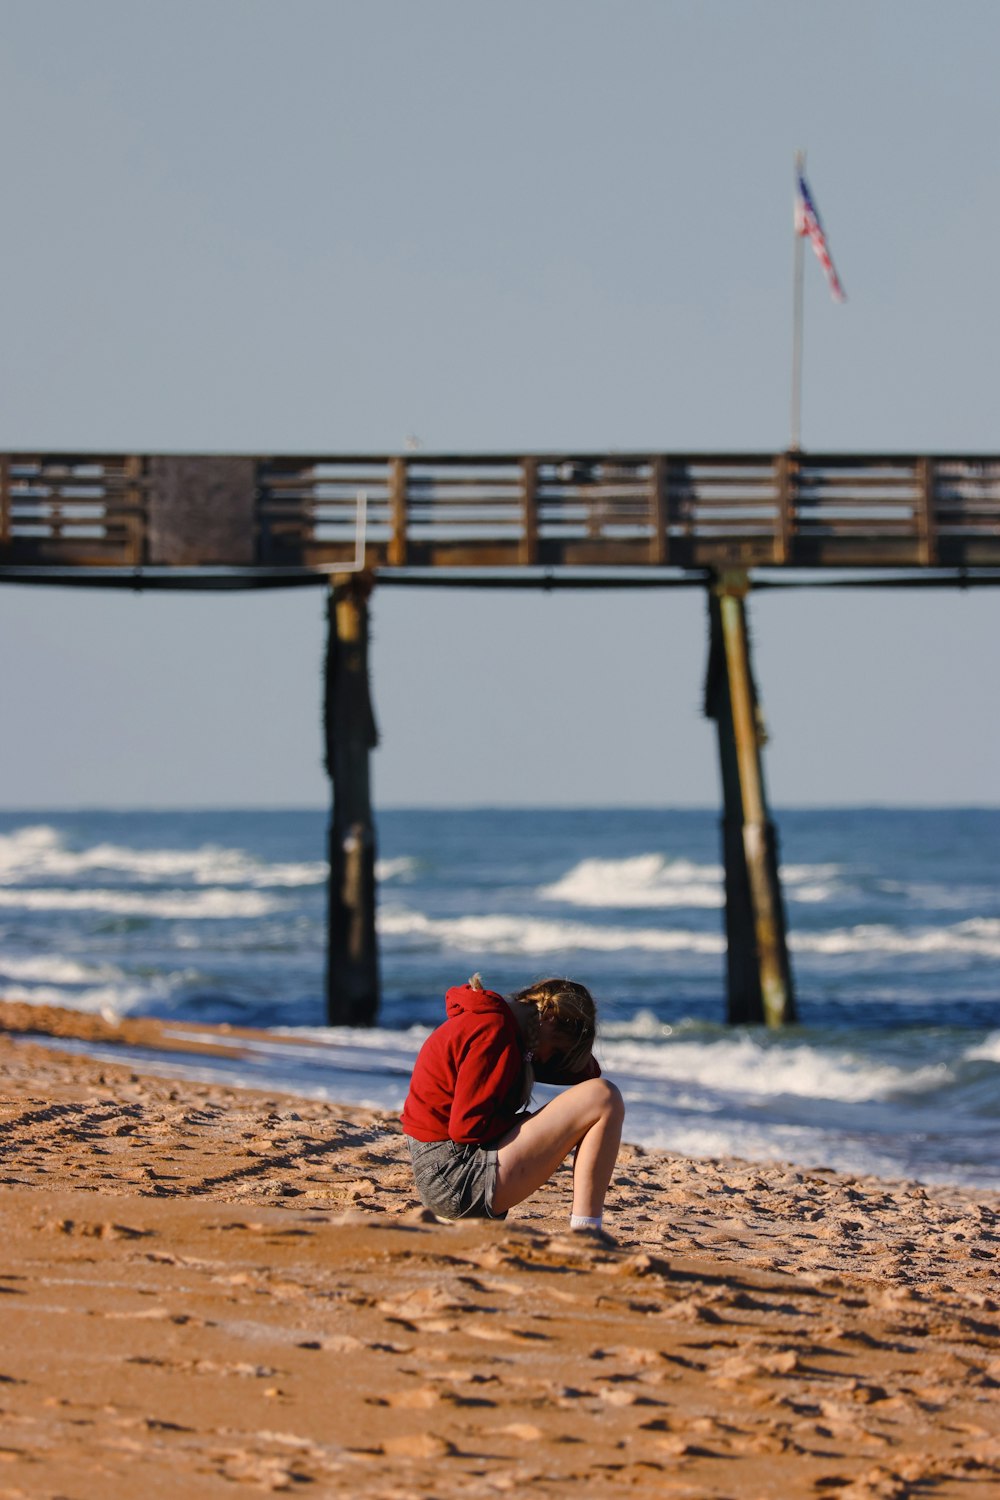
475 1149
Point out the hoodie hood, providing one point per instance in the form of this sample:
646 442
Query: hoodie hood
462 998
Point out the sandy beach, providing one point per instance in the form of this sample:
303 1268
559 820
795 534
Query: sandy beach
204 1286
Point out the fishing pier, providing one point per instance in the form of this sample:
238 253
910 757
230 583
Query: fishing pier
725 522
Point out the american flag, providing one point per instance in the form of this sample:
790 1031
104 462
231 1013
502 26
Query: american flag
807 222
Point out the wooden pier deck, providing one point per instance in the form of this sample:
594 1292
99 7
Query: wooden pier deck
263 520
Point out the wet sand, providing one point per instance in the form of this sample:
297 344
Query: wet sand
203 1286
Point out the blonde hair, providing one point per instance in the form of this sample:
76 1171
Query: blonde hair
574 1010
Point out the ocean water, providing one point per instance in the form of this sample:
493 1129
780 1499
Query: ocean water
894 921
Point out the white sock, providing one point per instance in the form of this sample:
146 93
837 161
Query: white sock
580 1221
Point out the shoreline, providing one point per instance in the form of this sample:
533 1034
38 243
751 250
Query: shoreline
211 1284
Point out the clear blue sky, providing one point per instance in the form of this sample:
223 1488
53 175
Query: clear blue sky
319 225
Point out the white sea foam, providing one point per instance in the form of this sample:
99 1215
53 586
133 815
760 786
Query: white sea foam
977 937
403 867
53 970
209 865
936 896
653 880
643 1026
806 1147
26 845
510 934
743 1066
812 894
986 1051
802 874
644 880
109 1001
198 905
50 980
308 872
38 852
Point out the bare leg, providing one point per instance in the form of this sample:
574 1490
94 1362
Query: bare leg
587 1116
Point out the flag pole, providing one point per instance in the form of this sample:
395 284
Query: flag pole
797 276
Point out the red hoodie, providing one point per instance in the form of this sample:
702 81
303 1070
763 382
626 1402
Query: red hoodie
465 1082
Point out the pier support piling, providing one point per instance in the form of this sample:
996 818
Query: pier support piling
759 974
352 980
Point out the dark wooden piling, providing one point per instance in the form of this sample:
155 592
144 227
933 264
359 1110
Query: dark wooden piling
758 971
352 979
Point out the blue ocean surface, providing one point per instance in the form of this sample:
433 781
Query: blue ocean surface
893 915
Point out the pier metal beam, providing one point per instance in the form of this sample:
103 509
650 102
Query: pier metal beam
352 977
759 974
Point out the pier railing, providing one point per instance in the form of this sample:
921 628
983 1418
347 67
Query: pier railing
620 510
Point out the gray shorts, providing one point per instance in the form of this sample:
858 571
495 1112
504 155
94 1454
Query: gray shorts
455 1181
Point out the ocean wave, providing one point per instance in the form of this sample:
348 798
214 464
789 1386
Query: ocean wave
643 1026
401 867
936 896
110 1001
500 933
813 893
306 872
644 880
977 937
653 880
202 905
807 1147
986 1051
743 1066
53 970
38 852
510 934
804 874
